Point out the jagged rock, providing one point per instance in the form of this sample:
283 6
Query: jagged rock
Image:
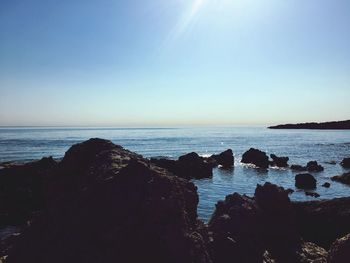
340 250
311 253
298 168
187 166
111 205
245 228
313 166
256 157
344 178
326 185
279 161
22 190
324 221
346 162
225 159
305 181
313 194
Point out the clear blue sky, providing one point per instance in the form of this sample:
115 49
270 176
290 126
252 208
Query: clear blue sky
173 62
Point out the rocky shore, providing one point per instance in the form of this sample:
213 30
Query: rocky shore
333 125
103 203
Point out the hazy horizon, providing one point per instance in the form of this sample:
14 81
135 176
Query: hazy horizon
173 63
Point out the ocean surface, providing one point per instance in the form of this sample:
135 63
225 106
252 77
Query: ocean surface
301 146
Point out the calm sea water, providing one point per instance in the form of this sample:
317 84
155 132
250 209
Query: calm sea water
24 144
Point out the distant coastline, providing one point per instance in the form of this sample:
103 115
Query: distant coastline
333 125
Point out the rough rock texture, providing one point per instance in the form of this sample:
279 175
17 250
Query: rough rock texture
22 190
259 229
346 162
279 161
110 205
313 166
322 222
256 157
225 159
340 250
187 166
305 181
344 178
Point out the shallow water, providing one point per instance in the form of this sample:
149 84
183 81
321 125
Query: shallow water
24 144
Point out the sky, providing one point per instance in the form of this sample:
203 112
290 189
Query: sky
173 62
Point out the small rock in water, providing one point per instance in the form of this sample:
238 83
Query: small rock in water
225 159
346 162
313 166
343 178
305 181
256 157
298 168
326 185
279 161
331 162
316 195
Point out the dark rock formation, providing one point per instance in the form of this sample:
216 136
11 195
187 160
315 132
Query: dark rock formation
22 190
279 161
110 205
225 159
340 250
334 125
324 221
346 162
313 166
326 185
313 194
298 168
343 178
305 181
256 157
187 166
259 229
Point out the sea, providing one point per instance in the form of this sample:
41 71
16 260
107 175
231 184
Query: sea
24 144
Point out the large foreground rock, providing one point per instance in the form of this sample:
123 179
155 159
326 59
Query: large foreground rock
110 205
22 190
259 229
322 222
256 157
340 250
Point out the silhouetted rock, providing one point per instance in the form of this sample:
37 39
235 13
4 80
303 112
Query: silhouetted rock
305 181
111 205
343 178
187 166
313 194
298 168
279 161
22 190
326 185
346 162
313 166
225 159
340 250
324 221
257 229
334 125
256 157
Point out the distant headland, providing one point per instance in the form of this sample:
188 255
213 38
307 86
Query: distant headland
333 125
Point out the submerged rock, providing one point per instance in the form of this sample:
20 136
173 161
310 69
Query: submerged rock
313 166
111 205
343 178
305 181
326 185
346 162
256 157
298 168
324 221
313 194
340 250
279 161
225 159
